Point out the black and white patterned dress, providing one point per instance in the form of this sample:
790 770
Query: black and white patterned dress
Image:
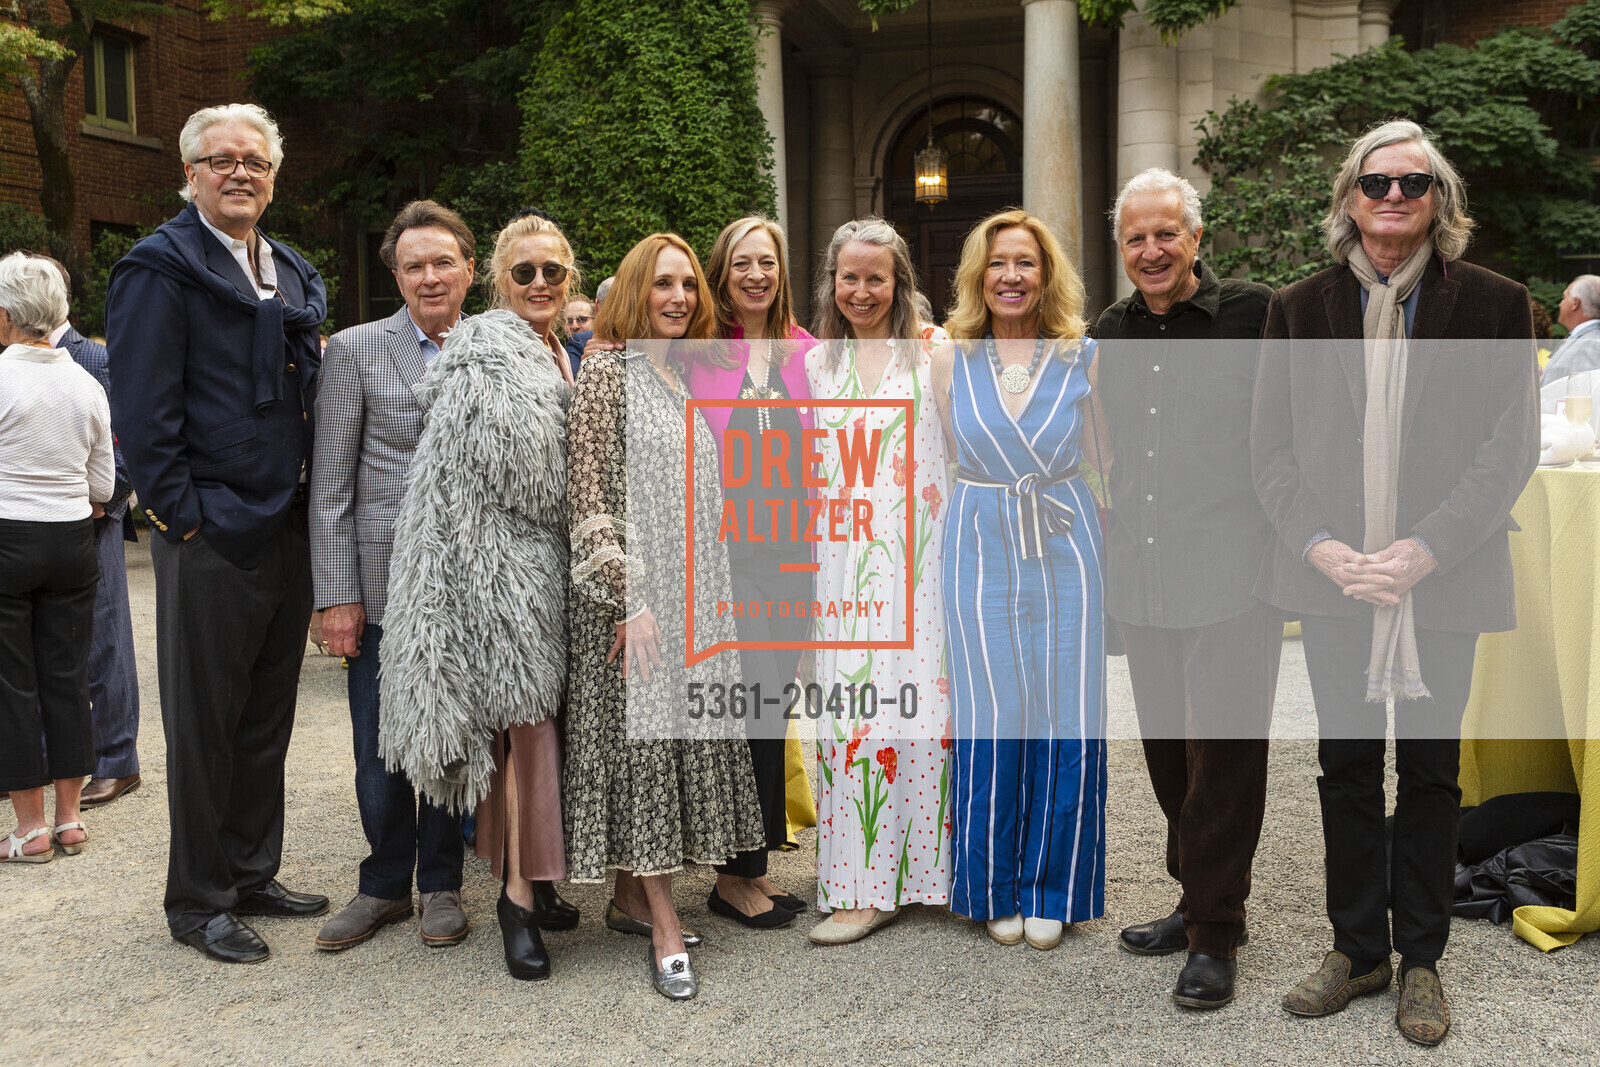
646 804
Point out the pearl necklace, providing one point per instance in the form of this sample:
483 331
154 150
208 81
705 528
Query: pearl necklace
762 391
1013 379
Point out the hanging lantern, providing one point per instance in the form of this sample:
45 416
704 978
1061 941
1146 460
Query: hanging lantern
933 175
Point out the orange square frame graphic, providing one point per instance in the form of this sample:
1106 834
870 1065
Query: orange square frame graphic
690 655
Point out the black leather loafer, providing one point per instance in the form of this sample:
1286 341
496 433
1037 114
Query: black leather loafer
272 899
554 913
770 919
526 958
227 939
1205 982
1162 937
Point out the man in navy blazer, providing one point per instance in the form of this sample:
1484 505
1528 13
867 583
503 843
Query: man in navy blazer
113 674
214 353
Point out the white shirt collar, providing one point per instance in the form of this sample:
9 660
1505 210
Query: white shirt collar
58 333
1586 326
240 250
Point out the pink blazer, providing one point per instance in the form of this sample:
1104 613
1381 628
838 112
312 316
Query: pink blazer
708 381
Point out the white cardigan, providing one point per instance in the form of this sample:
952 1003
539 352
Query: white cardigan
55 437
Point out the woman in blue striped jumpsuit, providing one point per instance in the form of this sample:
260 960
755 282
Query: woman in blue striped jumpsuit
1022 583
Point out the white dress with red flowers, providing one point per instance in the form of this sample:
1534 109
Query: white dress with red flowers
883 818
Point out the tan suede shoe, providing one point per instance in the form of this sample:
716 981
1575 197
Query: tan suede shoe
1331 988
443 921
359 920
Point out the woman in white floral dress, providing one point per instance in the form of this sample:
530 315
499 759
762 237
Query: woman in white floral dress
882 836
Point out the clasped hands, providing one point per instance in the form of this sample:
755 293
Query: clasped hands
1380 578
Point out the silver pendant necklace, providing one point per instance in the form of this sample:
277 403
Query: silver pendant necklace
1016 378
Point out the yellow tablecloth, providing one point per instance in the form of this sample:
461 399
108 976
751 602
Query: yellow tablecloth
1536 690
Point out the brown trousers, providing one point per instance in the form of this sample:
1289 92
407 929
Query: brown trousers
1204 701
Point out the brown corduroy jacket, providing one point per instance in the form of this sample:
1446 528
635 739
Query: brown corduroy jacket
1469 440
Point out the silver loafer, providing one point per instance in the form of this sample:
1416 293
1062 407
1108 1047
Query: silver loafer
623 923
676 983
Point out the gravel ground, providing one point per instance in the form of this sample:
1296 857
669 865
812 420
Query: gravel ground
89 974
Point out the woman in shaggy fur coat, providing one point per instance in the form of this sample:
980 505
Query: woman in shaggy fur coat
475 657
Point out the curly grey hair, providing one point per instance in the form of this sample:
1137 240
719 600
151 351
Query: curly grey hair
1452 226
251 115
1158 180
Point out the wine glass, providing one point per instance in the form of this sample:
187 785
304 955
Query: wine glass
1580 404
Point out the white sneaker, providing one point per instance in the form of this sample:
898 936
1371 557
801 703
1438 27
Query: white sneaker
1043 933
1007 931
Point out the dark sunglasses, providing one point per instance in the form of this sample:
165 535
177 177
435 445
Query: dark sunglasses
1412 186
554 273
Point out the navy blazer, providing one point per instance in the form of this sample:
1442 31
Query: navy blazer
201 447
91 356
574 348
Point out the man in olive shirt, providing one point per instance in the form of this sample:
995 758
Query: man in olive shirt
1176 370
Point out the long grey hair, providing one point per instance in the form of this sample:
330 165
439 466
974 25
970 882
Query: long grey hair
828 323
1452 226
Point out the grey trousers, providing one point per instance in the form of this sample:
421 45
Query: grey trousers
113 676
229 642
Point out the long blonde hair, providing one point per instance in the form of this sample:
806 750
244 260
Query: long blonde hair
1060 302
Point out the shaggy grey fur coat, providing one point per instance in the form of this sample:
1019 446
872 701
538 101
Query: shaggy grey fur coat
475 637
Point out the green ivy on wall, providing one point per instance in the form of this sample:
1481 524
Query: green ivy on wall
640 115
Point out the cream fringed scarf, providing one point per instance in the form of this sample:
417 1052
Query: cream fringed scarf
1394 670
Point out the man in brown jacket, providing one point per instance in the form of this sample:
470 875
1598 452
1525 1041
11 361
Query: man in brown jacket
1390 440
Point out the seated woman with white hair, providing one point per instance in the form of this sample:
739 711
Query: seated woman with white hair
55 462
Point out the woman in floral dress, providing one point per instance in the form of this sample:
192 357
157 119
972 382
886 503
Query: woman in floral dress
883 824
638 794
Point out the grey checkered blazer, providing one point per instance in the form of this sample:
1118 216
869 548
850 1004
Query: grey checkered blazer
368 423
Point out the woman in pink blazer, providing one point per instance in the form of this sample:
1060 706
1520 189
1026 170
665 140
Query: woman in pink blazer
749 284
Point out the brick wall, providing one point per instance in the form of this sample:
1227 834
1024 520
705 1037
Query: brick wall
1463 22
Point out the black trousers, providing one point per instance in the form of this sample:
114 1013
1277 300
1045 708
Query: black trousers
1427 812
758 578
229 642
48 576
1204 700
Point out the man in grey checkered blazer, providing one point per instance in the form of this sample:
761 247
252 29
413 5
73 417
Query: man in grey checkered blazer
368 424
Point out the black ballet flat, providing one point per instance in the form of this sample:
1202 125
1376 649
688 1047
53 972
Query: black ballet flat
767 920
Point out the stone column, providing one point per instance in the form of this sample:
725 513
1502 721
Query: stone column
1373 23
833 160
1147 110
1052 171
768 26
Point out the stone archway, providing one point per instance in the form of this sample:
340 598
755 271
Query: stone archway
983 139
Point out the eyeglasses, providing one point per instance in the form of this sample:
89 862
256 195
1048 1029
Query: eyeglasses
579 320
554 273
1412 186
226 166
